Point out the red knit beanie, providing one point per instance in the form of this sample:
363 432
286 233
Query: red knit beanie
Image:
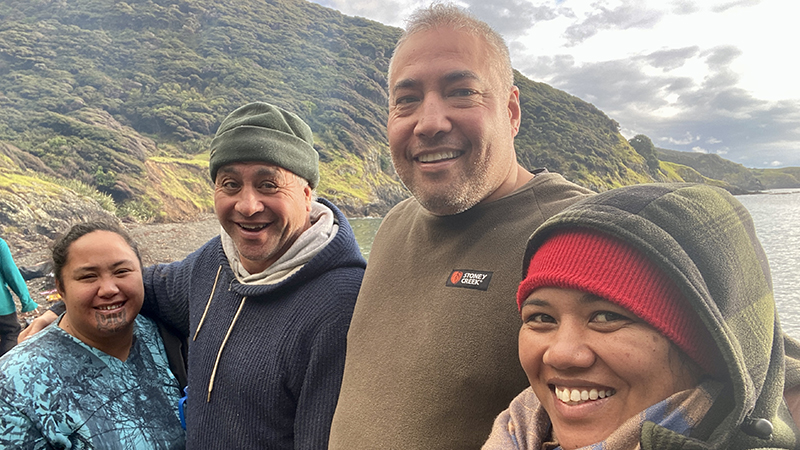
599 264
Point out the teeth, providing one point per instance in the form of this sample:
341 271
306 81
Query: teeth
432 157
252 227
574 396
109 307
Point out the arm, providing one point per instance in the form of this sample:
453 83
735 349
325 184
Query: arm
14 279
166 294
320 391
37 325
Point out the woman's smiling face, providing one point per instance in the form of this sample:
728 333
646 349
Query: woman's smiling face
101 287
593 364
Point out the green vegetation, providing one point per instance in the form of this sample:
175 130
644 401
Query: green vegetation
732 176
644 146
572 137
124 97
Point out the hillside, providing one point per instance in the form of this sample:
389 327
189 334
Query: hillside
742 178
116 103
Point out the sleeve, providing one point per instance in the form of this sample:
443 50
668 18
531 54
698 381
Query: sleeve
166 294
58 307
14 279
323 377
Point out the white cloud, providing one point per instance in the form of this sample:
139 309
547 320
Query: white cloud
699 150
685 140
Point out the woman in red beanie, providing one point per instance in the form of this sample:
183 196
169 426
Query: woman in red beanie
648 322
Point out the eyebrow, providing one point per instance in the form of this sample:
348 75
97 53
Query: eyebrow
89 268
449 77
461 75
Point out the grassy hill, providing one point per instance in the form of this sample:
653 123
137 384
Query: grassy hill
122 98
741 178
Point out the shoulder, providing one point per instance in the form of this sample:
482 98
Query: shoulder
147 329
546 194
337 287
400 217
340 253
555 185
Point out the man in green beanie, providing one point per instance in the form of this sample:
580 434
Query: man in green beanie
265 305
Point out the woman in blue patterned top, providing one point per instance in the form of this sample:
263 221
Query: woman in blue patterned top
98 377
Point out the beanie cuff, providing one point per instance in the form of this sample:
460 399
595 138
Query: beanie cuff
259 144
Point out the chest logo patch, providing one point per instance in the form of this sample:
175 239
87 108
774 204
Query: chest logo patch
470 279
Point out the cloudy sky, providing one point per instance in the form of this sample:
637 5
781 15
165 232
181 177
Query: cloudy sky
711 76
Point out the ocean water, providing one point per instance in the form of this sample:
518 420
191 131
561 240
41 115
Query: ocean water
365 228
776 215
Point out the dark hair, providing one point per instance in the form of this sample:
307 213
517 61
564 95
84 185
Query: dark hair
61 247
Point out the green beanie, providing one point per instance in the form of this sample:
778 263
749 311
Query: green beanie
260 132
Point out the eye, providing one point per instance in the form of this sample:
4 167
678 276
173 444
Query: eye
608 316
229 185
539 318
463 93
406 99
268 187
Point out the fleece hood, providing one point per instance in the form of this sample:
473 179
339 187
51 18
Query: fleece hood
705 240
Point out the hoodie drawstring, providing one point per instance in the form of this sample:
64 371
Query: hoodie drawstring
208 303
219 353
225 340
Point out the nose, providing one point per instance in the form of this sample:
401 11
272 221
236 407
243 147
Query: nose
433 118
568 349
249 202
108 287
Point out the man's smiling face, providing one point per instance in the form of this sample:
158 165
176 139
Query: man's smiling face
264 208
452 120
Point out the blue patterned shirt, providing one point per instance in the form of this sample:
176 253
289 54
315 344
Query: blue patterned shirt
58 392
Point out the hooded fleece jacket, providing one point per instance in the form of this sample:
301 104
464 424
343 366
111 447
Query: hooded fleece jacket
704 239
273 353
